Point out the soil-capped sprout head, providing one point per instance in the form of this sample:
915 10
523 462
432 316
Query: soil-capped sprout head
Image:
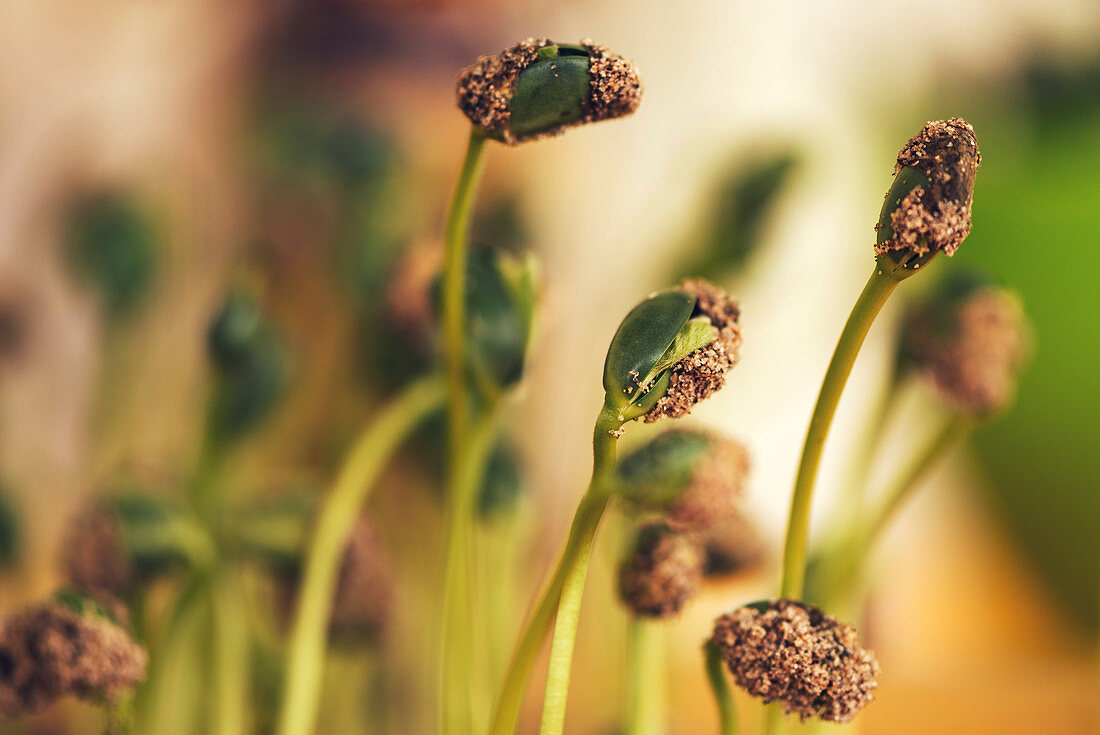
538 88
928 208
791 652
671 351
116 544
969 340
661 573
696 479
68 646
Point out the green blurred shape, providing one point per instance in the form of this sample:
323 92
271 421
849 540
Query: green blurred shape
251 366
9 530
1036 229
113 245
502 485
340 161
741 204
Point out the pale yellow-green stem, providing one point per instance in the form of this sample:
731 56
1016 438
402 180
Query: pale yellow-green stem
306 649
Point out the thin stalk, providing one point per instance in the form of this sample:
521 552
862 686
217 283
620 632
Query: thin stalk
727 712
645 704
160 652
572 590
775 719
581 534
879 287
457 674
230 657
454 290
454 682
845 568
306 650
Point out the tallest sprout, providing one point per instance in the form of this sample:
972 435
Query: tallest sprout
534 89
926 212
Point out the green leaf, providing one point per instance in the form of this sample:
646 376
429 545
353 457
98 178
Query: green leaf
641 341
550 92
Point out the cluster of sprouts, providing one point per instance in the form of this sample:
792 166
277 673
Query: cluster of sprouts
464 319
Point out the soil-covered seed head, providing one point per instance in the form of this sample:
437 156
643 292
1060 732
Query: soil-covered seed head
539 88
970 343
671 351
95 557
661 574
928 209
791 652
69 646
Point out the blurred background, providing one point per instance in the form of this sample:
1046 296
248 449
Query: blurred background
301 148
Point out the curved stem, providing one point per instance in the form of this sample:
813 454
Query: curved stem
569 606
878 289
306 653
727 712
583 530
457 678
846 566
454 684
645 711
454 290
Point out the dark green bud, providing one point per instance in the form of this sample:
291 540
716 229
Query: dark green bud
928 208
501 290
236 329
502 485
538 88
672 351
10 540
113 244
695 478
251 365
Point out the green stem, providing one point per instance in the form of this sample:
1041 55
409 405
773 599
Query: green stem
160 653
775 719
229 657
604 443
454 683
645 711
457 675
306 651
844 570
454 290
879 287
727 712
581 534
